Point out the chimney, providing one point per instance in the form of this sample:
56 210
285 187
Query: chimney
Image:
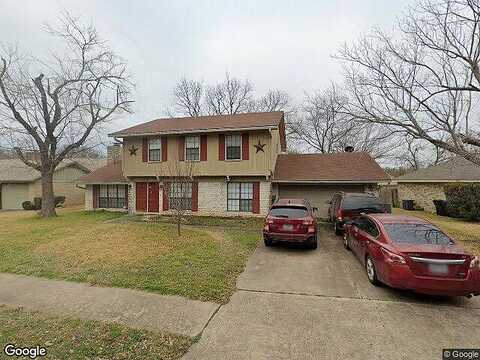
349 148
114 153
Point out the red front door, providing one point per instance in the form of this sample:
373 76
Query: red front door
141 196
153 197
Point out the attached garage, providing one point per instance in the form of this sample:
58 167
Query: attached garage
12 195
316 177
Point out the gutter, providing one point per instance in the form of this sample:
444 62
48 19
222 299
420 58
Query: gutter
193 131
327 181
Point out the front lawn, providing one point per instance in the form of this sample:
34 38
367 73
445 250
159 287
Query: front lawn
95 247
80 339
464 231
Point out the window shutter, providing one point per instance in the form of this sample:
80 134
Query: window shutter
256 197
195 196
144 149
164 148
165 196
181 148
203 148
221 147
245 146
95 193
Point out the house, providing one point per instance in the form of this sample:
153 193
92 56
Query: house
237 163
425 185
19 182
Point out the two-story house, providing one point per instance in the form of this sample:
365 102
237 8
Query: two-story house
235 165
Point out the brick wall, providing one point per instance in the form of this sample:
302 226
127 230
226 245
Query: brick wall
423 194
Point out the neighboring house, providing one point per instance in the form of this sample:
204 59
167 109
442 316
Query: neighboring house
425 185
19 182
239 161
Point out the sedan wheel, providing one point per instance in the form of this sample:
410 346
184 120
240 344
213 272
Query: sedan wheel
346 241
371 271
337 230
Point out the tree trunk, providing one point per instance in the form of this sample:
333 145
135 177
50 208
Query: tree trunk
48 197
179 223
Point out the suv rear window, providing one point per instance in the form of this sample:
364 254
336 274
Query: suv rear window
362 202
418 234
289 212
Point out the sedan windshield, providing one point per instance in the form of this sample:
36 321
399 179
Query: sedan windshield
362 202
289 212
418 234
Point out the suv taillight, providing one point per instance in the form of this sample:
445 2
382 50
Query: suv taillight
339 215
393 258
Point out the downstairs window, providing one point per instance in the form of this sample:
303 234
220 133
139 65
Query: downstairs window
112 196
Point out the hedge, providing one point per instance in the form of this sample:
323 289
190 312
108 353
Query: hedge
463 201
37 203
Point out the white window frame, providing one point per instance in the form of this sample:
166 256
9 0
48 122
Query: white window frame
240 197
226 146
199 146
159 140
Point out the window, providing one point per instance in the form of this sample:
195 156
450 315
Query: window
371 228
180 196
112 196
240 197
192 148
359 202
418 234
289 212
155 150
233 147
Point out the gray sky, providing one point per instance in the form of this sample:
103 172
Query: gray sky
276 44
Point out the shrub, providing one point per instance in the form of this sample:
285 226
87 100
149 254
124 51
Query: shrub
463 200
37 203
28 205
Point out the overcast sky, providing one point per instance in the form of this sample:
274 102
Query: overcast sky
276 44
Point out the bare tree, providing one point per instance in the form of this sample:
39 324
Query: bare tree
274 100
415 154
231 96
72 95
323 125
188 97
179 191
424 80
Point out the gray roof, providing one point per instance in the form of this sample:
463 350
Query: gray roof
14 170
455 169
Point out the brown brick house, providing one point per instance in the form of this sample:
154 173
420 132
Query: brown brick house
235 162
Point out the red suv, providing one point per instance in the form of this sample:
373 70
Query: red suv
346 206
291 220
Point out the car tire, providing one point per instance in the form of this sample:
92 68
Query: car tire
338 231
268 242
312 243
371 271
346 242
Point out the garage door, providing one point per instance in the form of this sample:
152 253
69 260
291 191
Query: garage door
317 195
13 195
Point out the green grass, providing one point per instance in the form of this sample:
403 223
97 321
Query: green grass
80 339
96 247
468 233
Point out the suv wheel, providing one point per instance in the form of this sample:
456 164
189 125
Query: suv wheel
267 242
312 243
371 271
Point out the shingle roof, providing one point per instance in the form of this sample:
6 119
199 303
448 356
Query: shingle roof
14 170
110 173
340 167
455 169
204 123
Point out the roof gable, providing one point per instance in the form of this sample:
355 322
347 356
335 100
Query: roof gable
455 169
110 173
212 123
337 167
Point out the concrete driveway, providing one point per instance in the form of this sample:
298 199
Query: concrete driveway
303 304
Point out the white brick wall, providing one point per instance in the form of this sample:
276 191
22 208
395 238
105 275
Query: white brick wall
89 197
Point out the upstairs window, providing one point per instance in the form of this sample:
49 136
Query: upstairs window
155 149
181 196
240 197
233 147
192 148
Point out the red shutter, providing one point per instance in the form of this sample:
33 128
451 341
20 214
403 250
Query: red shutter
165 196
245 146
221 147
203 148
181 148
95 193
164 148
141 196
256 197
195 196
144 149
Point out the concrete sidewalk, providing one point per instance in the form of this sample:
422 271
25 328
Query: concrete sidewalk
133 308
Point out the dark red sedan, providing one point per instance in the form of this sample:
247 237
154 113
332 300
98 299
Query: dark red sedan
406 252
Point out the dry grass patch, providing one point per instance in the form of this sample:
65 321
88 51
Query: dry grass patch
468 233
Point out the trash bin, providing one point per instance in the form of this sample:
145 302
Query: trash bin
408 204
441 207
